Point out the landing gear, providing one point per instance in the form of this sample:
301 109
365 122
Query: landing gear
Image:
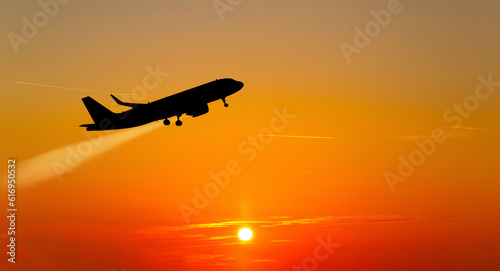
178 122
166 122
224 100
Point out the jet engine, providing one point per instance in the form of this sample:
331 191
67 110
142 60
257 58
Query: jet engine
198 110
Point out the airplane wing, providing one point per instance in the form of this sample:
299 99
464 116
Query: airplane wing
133 105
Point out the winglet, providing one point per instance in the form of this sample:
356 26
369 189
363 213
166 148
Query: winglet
124 104
116 100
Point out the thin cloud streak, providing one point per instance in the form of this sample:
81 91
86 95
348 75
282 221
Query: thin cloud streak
289 136
465 128
283 241
278 222
78 89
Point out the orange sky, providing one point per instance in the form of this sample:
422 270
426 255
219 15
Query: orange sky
321 177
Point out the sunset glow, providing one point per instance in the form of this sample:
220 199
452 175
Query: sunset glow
366 136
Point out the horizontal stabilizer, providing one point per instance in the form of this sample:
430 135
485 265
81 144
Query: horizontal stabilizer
90 127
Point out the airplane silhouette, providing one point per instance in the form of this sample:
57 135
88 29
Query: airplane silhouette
192 102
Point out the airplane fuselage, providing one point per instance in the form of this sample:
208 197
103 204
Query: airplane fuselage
192 102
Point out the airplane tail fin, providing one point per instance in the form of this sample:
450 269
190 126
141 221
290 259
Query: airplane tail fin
96 110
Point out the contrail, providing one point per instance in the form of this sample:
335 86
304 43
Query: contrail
62 161
78 89
289 136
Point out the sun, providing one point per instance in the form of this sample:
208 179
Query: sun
245 234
